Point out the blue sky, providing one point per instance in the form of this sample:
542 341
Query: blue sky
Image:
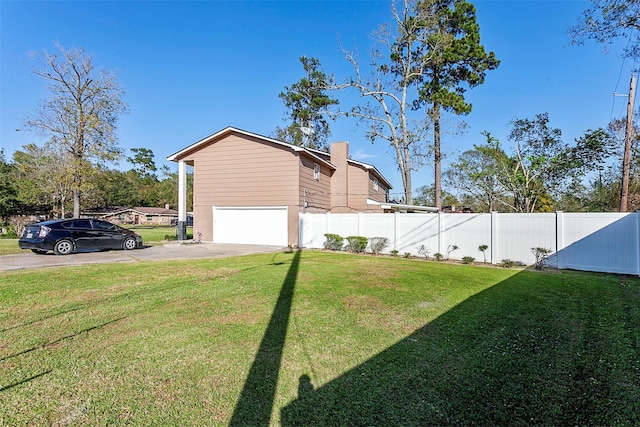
191 68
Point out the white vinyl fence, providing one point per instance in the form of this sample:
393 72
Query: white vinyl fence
606 242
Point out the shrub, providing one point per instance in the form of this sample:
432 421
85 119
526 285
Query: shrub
407 255
395 253
508 263
424 251
438 256
378 244
334 242
8 233
541 255
356 243
483 249
451 248
467 259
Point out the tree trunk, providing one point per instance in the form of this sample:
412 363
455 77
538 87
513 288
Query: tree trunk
76 203
437 197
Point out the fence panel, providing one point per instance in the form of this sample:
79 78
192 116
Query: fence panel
606 242
517 233
468 232
415 230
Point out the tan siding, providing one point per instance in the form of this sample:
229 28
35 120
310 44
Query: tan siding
358 188
241 171
318 193
377 195
236 171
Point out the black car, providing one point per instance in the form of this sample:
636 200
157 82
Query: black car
64 236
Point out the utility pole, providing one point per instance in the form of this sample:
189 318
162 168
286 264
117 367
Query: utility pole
624 193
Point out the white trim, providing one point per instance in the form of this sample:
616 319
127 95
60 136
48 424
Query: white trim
401 207
230 129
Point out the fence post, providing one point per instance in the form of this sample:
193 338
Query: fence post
441 236
637 214
396 225
494 237
327 224
559 239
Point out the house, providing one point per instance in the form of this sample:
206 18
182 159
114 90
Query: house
249 188
137 215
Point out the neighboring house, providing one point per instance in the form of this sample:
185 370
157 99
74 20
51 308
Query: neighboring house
249 188
137 215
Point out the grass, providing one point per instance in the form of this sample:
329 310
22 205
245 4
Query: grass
318 338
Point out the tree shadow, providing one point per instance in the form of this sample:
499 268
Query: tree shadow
501 357
256 400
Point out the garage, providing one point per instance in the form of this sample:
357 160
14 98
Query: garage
258 225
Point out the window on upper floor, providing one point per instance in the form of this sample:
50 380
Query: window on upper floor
316 172
375 183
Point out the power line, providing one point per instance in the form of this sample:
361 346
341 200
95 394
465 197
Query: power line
615 92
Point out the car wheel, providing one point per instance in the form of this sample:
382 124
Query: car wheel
63 247
129 243
38 251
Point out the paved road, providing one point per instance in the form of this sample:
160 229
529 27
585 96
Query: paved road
27 259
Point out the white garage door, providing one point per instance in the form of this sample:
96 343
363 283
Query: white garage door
264 225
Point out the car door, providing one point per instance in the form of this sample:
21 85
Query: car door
107 235
81 232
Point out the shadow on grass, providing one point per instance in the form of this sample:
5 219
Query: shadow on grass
64 338
257 398
520 353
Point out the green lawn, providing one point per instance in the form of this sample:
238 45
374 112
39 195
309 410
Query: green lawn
317 338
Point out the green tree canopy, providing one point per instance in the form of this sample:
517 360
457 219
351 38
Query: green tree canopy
307 104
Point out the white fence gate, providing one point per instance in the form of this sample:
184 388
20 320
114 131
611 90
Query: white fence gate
607 242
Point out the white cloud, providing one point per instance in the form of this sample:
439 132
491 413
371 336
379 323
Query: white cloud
362 155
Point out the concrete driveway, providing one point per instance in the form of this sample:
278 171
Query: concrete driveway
166 252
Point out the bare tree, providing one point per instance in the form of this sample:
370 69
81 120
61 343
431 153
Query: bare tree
80 114
400 57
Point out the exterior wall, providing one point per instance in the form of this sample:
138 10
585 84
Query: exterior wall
379 195
239 170
340 178
316 193
136 218
360 189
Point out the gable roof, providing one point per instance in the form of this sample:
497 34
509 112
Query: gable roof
361 164
177 156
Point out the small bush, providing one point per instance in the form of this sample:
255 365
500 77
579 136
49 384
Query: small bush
451 248
8 233
357 243
170 237
483 249
334 242
407 255
508 263
395 253
378 244
438 256
424 251
468 259
541 255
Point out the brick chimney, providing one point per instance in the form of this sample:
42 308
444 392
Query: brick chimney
340 178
